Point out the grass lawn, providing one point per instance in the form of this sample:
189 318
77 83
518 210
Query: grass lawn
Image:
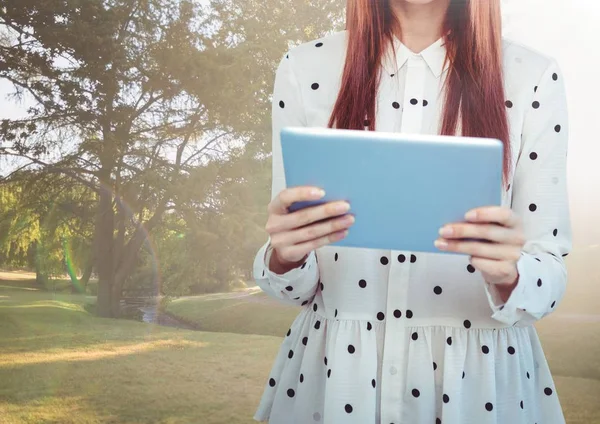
58 364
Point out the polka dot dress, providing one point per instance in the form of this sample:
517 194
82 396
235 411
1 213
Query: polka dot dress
409 337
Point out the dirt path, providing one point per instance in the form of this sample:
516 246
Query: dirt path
16 275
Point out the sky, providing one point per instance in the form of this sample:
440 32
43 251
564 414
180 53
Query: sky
566 30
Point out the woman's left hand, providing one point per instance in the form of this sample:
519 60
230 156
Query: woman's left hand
497 258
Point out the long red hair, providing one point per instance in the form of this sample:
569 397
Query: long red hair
474 86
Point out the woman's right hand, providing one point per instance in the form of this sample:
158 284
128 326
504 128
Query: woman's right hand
295 234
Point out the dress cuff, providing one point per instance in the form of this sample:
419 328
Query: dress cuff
296 282
511 311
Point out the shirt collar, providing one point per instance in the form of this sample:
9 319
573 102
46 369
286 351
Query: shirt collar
434 56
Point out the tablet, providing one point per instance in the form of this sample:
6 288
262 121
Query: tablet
401 188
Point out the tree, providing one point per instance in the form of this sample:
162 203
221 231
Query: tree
141 102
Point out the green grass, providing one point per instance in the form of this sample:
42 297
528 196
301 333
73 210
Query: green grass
255 314
58 364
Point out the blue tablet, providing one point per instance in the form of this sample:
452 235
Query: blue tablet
401 188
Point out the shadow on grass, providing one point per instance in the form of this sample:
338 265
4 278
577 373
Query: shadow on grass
200 377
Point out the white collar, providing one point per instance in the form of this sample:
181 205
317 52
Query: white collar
434 56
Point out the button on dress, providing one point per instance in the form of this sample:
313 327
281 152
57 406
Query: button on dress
407 337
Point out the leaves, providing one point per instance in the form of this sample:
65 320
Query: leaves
164 106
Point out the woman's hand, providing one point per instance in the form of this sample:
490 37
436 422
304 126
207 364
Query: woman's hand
497 258
294 235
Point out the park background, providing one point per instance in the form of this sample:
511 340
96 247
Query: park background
140 130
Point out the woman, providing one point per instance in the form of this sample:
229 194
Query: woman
408 337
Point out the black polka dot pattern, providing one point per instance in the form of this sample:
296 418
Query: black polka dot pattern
387 286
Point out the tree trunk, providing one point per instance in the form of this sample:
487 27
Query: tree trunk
103 253
85 278
41 278
82 282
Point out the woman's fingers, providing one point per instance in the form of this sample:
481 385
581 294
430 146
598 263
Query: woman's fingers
313 231
295 252
280 204
491 232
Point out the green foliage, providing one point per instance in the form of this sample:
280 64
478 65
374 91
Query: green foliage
147 135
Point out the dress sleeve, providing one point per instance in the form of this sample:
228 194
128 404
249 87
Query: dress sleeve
540 198
299 285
